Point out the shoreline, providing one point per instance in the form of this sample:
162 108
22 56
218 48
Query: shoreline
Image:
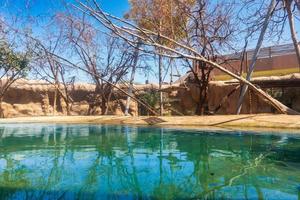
269 122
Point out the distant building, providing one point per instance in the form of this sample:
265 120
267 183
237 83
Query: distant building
273 60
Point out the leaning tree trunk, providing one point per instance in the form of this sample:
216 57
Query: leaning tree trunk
103 18
255 54
270 100
288 4
281 108
136 56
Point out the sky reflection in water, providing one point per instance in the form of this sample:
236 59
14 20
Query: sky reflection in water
120 162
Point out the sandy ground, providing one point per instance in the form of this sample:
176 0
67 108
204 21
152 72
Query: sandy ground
248 122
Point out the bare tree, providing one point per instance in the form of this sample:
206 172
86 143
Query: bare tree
42 45
209 31
104 57
271 19
49 69
108 70
181 50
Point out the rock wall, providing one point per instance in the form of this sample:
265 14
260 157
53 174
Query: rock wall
36 98
252 103
185 100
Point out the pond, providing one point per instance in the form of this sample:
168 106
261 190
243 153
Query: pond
44 161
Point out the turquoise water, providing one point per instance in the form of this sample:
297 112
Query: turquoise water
119 162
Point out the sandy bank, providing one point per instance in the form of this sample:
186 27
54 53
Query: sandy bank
266 121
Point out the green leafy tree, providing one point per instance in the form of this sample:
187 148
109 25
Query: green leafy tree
13 66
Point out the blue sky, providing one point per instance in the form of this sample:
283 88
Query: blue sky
41 7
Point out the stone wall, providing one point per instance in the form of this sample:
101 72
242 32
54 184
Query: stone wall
33 98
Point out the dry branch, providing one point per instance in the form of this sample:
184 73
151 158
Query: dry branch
182 50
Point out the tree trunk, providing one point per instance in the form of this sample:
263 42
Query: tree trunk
203 86
67 100
99 15
161 106
68 108
103 102
1 109
282 109
108 100
103 105
153 111
255 55
288 4
136 56
54 101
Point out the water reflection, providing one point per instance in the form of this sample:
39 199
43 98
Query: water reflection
121 162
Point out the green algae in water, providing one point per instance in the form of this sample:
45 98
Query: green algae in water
120 162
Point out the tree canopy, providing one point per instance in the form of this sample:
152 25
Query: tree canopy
166 17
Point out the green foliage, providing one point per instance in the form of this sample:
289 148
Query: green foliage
11 62
151 98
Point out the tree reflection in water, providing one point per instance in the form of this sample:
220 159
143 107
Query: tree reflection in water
111 162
